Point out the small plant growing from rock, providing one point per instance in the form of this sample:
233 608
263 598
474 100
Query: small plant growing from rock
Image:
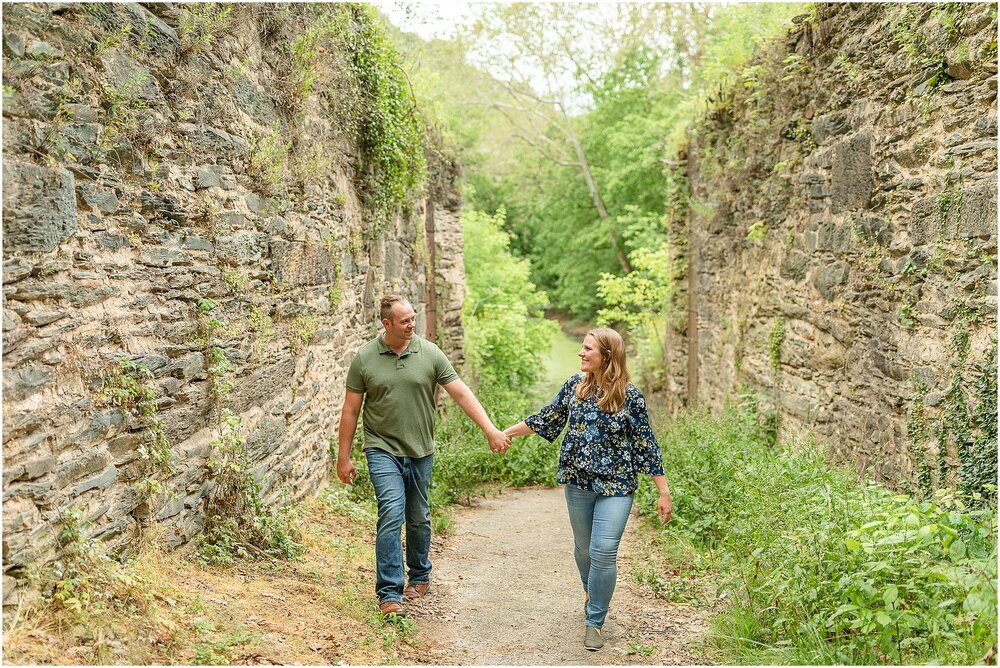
268 162
125 386
238 523
757 230
774 343
200 24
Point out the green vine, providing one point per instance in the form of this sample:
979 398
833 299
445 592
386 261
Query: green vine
373 96
917 430
125 386
775 341
392 136
978 461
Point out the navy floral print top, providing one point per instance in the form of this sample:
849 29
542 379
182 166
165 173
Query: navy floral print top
601 452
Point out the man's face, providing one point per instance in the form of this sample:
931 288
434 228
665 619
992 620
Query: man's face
402 322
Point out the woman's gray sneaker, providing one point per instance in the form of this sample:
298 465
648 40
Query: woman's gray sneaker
593 640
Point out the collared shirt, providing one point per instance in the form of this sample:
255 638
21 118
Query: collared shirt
399 412
601 452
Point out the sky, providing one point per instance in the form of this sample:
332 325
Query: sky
427 19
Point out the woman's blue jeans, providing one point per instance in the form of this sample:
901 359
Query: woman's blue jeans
598 524
401 486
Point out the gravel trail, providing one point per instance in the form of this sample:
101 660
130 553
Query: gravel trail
505 591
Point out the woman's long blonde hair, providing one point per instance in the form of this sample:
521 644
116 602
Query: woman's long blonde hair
611 381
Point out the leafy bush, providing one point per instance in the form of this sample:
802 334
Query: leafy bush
238 523
820 568
85 580
464 464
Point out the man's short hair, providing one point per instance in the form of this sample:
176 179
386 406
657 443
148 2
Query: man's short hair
385 306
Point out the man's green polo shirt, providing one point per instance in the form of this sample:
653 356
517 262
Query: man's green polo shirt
399 412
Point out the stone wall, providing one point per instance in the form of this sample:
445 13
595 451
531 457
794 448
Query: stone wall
181 239
842 232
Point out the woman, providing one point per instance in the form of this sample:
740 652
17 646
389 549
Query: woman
608 443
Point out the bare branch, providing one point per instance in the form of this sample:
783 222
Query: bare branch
527 140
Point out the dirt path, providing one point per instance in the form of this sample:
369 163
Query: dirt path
506 591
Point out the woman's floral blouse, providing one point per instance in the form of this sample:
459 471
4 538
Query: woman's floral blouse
601 452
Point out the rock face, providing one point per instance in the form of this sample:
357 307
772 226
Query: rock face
866 313
183 236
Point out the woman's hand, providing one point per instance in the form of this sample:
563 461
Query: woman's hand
664 507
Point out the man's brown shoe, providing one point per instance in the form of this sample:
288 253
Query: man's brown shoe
414 591
390 607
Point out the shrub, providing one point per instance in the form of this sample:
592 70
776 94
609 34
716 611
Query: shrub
819 567
238 524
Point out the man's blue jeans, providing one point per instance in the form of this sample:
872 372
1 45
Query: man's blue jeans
598 524
401 485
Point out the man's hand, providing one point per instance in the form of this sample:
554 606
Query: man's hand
499 441
345 471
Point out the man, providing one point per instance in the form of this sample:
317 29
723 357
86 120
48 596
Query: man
395 376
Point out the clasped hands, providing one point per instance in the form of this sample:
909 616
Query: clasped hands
499 441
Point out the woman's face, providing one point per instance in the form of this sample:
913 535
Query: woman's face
590 355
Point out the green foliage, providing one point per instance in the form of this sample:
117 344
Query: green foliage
644 301
269 163
84 581
392 135
817 567
637 298
122 104
220 652
505 329
978 461
126 386
917 430
113 40
220 371
775 341
343 56
464 466
262 324
201 23
757 231
302 329
238 524
635 649
925 52
307 46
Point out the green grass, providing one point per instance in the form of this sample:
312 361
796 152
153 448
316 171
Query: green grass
816 567
560 364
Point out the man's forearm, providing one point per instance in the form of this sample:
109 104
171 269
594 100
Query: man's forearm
467 402
345 436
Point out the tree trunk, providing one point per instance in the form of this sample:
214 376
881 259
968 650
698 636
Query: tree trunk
598 202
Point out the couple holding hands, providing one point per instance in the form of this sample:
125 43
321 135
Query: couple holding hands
608 443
